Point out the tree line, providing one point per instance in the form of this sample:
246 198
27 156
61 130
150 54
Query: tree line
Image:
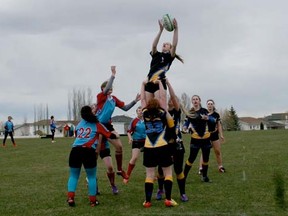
80 97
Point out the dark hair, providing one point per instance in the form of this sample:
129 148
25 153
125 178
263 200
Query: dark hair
87 115
103 85
179 58
51 117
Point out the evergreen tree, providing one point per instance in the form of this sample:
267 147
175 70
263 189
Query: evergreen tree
233 120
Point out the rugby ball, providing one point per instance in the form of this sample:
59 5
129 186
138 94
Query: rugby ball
167 21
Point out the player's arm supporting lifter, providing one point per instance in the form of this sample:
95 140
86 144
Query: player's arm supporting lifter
173 95
142 94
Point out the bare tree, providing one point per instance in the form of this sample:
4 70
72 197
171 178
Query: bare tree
186 104
77 99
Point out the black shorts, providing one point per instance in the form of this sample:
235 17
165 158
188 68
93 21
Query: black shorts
109 126
152 87
200 143
105 153
214 136
138 144
160 156
85 156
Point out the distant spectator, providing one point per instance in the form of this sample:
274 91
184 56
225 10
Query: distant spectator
66 130
52 128
9 130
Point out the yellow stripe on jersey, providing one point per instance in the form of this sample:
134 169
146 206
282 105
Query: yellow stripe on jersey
196 136
157 74
170 122
160 141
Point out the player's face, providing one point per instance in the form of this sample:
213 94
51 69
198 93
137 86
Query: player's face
196 101
93 109
139 113
110 91
210 105
166 47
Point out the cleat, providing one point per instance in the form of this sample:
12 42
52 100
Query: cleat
170 203
184 198
3 145
159 194
93 204
200 171
123 174
222 169
114 190
71 202
147 204
205 179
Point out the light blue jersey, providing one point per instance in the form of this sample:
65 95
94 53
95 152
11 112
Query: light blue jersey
9 127
86 134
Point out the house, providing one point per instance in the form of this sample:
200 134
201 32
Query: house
42 128
277 120
64 128
273 121
250 123
121 123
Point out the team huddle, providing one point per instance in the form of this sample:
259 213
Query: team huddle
155 131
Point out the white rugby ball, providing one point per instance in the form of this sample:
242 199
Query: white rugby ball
167 21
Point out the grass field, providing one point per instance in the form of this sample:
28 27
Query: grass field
33 180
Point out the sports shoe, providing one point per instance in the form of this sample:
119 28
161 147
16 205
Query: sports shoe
170 203
200 172
53 141
123 174
114 190
159 194
3 145
14 145
205 179
147 204
92 204
184 198
71 202
222 169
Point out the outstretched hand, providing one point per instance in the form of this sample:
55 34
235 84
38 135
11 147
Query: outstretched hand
113 70
175 23
161 27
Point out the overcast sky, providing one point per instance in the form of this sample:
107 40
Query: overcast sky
235 51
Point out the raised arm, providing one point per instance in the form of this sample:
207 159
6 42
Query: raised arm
173 96
175 38
110 82
156 40
161 95
142 94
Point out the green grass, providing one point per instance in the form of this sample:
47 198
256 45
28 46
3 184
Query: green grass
33 180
